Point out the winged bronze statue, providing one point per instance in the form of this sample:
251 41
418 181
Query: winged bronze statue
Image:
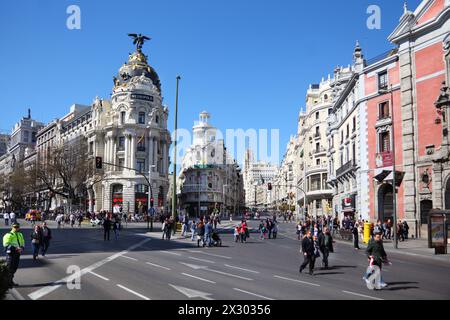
138 40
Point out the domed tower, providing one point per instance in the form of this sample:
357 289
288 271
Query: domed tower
135 138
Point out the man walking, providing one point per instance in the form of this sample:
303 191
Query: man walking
326 246
106 228
308 253
14 245
375 251
355 236
6 217
46 237
12 217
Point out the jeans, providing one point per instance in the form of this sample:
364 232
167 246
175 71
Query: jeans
355 241
116 234
12 262
325 254
36 247
193 234
208 239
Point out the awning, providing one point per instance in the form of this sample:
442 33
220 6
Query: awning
383 175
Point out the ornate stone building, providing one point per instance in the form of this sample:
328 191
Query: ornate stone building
130 134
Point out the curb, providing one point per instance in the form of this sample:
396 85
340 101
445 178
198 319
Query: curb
13 294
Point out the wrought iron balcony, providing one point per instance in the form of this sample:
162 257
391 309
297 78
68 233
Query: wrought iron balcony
346 168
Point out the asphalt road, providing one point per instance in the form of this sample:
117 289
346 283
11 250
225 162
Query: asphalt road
141 265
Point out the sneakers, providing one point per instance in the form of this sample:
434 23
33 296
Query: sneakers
383 285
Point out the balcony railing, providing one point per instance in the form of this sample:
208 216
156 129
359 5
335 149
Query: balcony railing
348 167
320 150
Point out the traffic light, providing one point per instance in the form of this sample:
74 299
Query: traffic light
151 202
98 162
270 187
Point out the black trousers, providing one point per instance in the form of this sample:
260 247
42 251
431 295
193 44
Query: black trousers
12 262
45 245
355 241
106 234
325 254
309 259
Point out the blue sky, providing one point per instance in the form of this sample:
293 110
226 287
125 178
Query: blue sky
248 62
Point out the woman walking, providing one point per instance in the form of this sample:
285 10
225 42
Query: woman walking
36 240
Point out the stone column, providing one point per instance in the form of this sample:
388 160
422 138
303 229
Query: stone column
408 139
127 150
155 153
150 151
114 154
164 162
133 152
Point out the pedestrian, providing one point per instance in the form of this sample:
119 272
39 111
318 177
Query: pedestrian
299 230
326 246
185 226
237 233
80 219
355 236
12 217
308 253
106 228
245 230
164 228
116 229
72 219
59 219
275 230
208 232
376 254
193 228
269 227
405 229
262 229
6 217
400 234
14 245
36 241
389 229
46 237
200 233
33 218
169 227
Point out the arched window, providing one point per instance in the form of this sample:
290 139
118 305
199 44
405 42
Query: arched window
141 118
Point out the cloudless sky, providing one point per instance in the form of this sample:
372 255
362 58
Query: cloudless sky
248 62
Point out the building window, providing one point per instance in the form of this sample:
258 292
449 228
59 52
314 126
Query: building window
383 110
317 147
141 145
141 165
317 131
141 119
383 80
330 111
342 136
91 147
121 143
317 162
348 130
385 142
121 164
354 124
33 137
317 115
122 117
157 119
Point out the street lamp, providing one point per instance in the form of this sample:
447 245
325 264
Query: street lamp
174 197
223 198
150 210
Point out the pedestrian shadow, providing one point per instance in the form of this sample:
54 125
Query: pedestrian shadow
327 273
47 284
401 282
30 263
341 267
402 288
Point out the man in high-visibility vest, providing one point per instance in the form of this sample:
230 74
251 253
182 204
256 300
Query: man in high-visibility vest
14 245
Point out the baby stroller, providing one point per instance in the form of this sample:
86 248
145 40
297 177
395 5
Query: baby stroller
217 242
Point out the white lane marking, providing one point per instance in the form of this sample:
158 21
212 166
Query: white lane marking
229 274
227 265
203 260
253 294
295 280
173 253
190 293
129 258
361 295
133 292
190 275
157 265
211 254
97 275
55 285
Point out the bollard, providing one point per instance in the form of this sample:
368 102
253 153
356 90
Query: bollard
367 229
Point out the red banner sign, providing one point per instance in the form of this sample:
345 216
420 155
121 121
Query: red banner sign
384 159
